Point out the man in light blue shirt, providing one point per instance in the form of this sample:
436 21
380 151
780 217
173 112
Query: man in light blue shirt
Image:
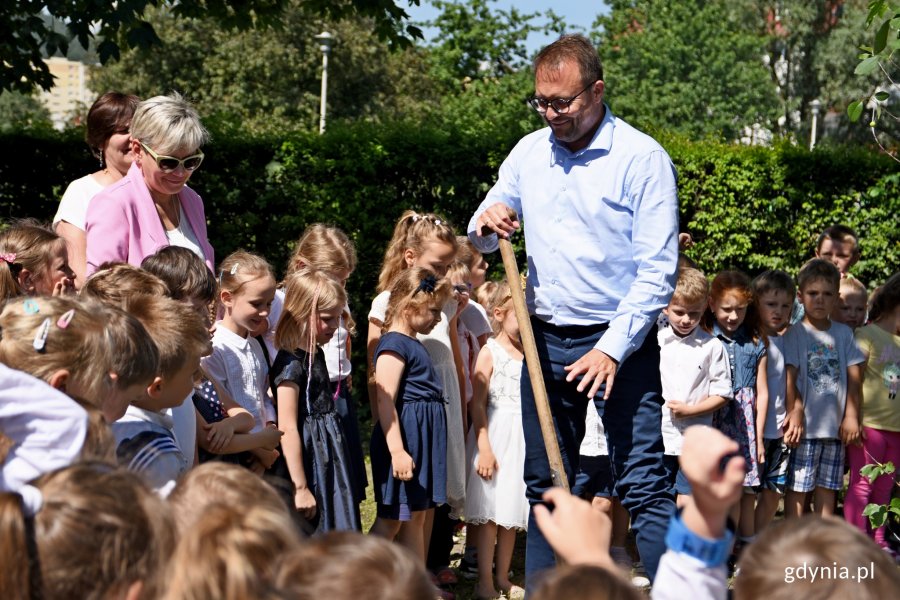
599 202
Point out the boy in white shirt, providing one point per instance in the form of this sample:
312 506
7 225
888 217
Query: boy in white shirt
696 377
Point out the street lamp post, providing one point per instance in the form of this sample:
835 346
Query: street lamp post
814 108
325 40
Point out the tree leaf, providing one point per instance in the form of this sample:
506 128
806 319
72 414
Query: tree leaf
867 66
854 112
882 96
881 36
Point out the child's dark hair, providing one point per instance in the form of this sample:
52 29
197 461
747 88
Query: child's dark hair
185 274
773 280
838 233
886 298
412 231
26 244
415 288
818 269
110 114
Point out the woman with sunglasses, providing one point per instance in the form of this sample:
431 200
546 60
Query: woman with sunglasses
152 207
107 136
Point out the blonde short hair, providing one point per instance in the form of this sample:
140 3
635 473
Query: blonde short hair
305 295
345 564
692 287
100 530
230 552
852 285
214 482
168 124
114 282
768 563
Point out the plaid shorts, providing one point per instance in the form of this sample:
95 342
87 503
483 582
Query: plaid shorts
816 463
774 472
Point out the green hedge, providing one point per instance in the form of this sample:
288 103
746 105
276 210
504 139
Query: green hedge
747 207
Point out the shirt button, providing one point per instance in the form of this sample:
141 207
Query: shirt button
563 188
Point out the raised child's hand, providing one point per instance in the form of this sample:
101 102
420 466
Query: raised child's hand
576 532
711 463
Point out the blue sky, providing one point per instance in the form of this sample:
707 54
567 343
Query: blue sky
579 13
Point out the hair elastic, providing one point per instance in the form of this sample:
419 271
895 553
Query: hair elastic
428 284
40 336
8 257
30 306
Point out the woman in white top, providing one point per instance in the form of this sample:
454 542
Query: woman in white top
108 122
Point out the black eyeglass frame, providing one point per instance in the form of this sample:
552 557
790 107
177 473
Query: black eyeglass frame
559 105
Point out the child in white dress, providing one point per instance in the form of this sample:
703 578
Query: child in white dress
495 495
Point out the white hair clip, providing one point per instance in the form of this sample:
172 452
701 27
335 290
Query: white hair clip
416 217
437 221
40 337
32 500
234 269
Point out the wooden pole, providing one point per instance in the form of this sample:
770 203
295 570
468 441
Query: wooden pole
532 361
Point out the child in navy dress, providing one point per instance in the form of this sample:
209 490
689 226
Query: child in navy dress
314 445
409 443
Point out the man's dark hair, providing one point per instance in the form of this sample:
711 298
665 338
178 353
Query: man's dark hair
574 47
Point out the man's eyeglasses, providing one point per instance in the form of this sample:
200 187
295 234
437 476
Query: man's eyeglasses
559 105
167 164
